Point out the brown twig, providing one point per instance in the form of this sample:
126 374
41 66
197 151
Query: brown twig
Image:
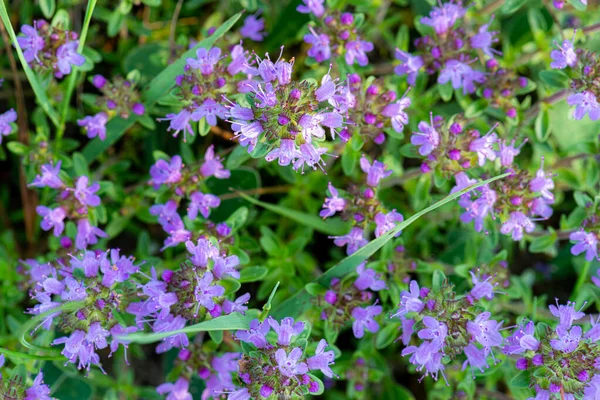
555 98
173 28
591 29
29 198
225 134
491 7
259 191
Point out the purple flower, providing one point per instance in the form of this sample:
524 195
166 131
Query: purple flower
434 330
210 110
355 240
522 340
387 222
166 172
37 391
327 89
237 305
427 356
67 56
5 121
32 43
253 28
177 390
363 319
87 195
87 234
410 65
167 213
202 252
483 146
587 242
462 182
356 52
592 390
332 204
566 314
241 394
395 112
49 176
203 203
286 153
427 137
540 207
206 60
410 301
311 156
312 6
508 152
565 56
375 171
368 279
117 269
517 223
442 18
485 331
213 166
76 347
594 333
289 364
52 218
286 329
205 292
481 289
180 122
322 359
484 40
461 75
585 103
95 125
239 60
543 183
226 266
256 334
320 49
568 339
476 358
167 324
97 335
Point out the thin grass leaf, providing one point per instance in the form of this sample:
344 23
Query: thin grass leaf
295 305
40 93
157 88
23 356
334 227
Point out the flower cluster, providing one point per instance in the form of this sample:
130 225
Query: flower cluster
14 388
87 294
286 119
587 238
119 97
561 362
362 208
48 48
179 181
253 28
280 367
76 202
448 326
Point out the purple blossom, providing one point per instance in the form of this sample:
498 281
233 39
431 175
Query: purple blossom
410 301
210 110
177 390
206 60
395 112
462 182
568 339
516 224
442 18
286 329
368 279
409 65
237 305
375 171
564 56
322 359
541 207
226 266
363 319
320 49
286 153
477 210
485 331
239 60
461 75
387 222
78 348
52 218
289 364
97 335
427 137
67 56
117 269
253 28
166 172
180 122
434 330
312 7
587 242
543 183
87 234
241 394
354 240
585 103
167 324
311 156
5 123
327 89
508 152
356 52
203 203
522 340
592 390
94 125
476 358
332 204
49 176
37 391
256 334
205 292
484 40
566 314
481 289
483 146
201 252
213 166
427 356
87 195
32 43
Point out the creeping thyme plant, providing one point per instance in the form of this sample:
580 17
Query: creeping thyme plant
300 199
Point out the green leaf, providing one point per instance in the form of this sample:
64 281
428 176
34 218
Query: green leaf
48 7
542 125
521 380
238 156
252 274
334 227
438 280
236 220
80 165
295 305
554 78
510 6
17 148
387 335
157 88
267 307
544 244
445 91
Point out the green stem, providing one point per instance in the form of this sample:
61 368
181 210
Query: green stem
581 279
40 93
73 76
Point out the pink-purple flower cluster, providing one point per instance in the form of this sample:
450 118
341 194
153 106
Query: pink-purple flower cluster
16 388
